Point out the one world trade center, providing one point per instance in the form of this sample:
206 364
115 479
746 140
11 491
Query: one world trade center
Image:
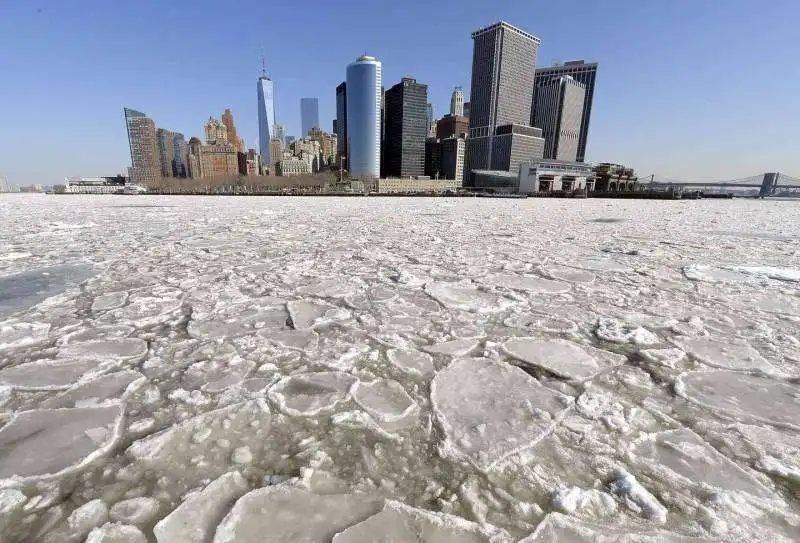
266 116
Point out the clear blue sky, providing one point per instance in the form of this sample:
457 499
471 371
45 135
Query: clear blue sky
700 88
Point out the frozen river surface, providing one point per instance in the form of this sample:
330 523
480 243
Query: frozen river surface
441 370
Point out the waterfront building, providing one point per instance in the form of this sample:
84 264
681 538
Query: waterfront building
535 177
457 103
364 118
275 153
406 128
582 72
279 134
433 158
266 115
215 131
559 109
503 68
165 140
514 144
393 185
309 115
452 125
291 166
230 129
214 159
452 158
145 164
341 121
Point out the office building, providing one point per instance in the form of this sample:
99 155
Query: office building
406 128
180 167
165 140
292 166
514 144
341 120
452 158
215 131
275 153
433 158
328 144
457 103
335 127
364 117
145 164
212 160
451 125
466 110
280 133
431 117
559 110
503 68
309 115
287 140
582 72
230 128
266 115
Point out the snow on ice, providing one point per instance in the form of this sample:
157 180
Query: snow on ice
392 369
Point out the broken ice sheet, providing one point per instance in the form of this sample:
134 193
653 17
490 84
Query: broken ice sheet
558 356
491 410
309 394
283 513
742 396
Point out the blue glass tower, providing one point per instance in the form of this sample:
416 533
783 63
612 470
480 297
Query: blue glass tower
266 116
309 115
364 118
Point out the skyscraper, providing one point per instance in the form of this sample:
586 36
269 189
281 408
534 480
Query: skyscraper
457 103
309 115
364 117
559 110
145 166
406 128
180 167
466 109
280 133
227 120
503 68
165 141
266 115
431 119
341 120
582 72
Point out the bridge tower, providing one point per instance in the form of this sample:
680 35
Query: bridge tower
769 184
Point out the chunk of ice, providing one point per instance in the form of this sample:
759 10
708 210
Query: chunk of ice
414 362
281 513
398 522
490 410
466 298
196 518
309 394
558 356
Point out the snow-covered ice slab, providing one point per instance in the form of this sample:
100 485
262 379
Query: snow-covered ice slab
683 458
20 334
466 297
557 527
565 273
116 533
744 397
300 340
734 355
98 391
197 517
110 300
387 402
278 514
490 410
619 332
110 349
413 362
306 314
457 347
527 283
558 356
309 394
398 523
49 441
46 374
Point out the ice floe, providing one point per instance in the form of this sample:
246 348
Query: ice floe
558 356
310 394
491 410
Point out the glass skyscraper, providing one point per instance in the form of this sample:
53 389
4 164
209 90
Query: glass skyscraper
364 118
145 166
266 116
309 115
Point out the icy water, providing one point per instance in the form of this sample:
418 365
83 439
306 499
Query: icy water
356 370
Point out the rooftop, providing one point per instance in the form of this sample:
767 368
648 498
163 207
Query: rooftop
506 26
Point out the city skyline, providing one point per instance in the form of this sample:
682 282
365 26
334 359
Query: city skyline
680 48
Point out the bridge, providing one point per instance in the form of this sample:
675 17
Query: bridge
768 184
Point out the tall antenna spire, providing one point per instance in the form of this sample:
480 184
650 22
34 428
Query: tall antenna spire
263 63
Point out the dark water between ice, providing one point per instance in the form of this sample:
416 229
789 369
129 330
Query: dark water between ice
23 290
